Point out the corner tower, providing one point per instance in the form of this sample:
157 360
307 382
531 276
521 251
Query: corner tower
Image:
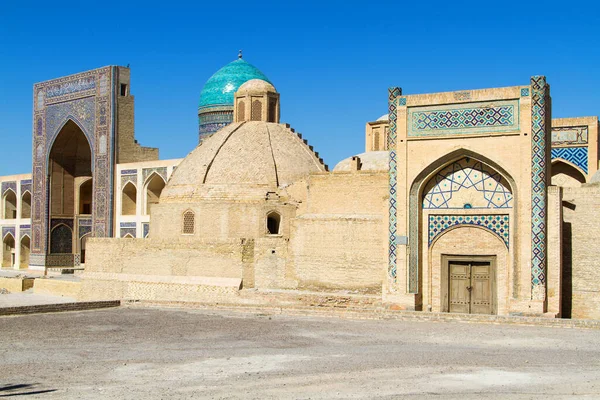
215 110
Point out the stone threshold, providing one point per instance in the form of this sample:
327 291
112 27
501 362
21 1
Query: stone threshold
59 307
378 313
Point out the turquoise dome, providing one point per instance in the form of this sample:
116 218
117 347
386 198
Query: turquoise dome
220 87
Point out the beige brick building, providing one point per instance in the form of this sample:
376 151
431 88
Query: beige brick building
470 202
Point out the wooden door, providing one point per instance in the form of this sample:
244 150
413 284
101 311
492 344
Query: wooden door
470 287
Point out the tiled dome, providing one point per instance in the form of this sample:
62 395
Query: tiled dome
220 87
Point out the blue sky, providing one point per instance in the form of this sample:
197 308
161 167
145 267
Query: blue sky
332 61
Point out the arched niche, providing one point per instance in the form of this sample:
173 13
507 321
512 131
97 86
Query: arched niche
26 205
69 164
465 191
9 204
273 223
82 247
154 187
129 199
566 174
25 251
85 196
61 240
8 250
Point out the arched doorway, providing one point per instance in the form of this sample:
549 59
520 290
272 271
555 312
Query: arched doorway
461 204
70 170
25 249
566 175
10 204
8 251
154 187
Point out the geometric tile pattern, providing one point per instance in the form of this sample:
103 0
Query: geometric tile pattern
569 135
87 100
393 94
575 155
8 185
540 130
497 223
162 171
490 189
128 231
524 92
6 230
25 186
469 117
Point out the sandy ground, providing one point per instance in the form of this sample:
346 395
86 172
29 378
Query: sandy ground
136 353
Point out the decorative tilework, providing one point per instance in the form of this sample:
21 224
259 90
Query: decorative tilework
162 171
88 100
129 172
25 186
490 189
145 229
84 230
575 155
393 94
524 92
402 101
8 185
128 178
128 231
70 87
6 230
569 135
540 128
82 112
127 225
467 118
24 230
497 223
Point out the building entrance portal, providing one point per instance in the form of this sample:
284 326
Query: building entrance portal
471 286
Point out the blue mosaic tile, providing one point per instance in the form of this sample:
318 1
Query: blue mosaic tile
467 173
576 155
496 223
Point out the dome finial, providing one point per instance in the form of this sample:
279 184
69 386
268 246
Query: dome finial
240 54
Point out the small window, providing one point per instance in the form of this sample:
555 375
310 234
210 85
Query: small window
273 223
188 223
123 89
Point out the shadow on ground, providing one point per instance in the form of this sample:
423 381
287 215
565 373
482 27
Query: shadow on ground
22 390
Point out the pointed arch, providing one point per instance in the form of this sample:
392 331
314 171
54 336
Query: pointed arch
61 239
25 251
8 250
153 188
85 196
69 165
83 246
415 204
73 120
188 225
273 223
26 204
9 204
565 173
129 199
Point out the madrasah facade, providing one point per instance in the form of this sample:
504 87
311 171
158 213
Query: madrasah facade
474 201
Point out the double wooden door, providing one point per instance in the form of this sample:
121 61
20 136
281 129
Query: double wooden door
471 287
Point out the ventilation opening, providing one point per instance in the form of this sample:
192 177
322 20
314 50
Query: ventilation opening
123 89
273 223
188 223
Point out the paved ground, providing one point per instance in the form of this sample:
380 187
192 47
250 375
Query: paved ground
28 298
171 354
